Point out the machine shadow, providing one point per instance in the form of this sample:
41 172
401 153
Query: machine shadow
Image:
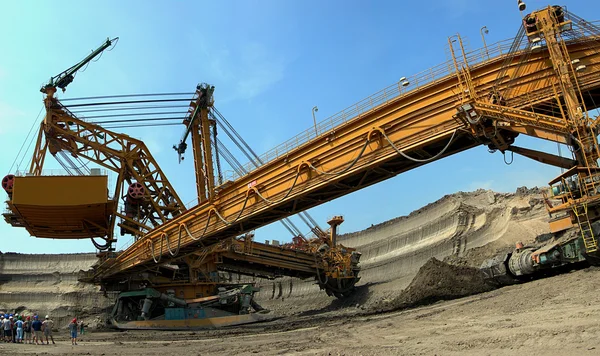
361 295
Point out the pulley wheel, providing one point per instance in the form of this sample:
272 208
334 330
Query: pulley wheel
7 183
136 191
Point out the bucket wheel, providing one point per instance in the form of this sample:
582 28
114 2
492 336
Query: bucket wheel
343 286
340 287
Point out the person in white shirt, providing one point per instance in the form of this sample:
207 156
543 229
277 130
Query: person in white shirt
47 326
8 329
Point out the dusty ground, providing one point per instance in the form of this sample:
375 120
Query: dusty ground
557 316
554 316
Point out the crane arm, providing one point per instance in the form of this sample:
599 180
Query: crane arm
140 180
203 99
65 78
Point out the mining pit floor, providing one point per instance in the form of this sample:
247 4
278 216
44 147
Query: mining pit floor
554 316
419 295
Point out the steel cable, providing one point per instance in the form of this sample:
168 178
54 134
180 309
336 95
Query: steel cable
169 244
239 215
285 196
362 151
125 96
416 159
24 141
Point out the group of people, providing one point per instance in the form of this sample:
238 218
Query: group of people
30 330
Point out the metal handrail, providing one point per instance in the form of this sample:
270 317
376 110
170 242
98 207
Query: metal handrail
392 92
54 172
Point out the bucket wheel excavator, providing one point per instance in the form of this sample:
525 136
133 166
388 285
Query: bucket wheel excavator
542 84
181 285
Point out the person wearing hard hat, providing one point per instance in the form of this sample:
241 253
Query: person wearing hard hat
7 328
73 331
47 326
36 326
27 330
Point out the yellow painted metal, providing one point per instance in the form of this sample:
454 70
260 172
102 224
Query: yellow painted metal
39 153
561 224
198 159
61 207
357 152
208 169
128 157
576 115
201 141
59 190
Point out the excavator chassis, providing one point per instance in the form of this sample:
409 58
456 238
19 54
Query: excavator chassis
149 309
196 291
525 263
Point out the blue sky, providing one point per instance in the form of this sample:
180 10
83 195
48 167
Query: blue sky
271 62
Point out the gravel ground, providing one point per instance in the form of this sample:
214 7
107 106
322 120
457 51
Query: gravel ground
557 315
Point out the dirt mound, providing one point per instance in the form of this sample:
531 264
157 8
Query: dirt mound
475 256
437 281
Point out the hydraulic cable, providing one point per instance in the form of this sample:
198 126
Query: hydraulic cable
362 151
168 243
228 223
416 159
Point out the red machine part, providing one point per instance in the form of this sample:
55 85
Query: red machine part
7 183
136 191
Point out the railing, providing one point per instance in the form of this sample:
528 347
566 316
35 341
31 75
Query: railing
192 203
392 92
406 85
60 172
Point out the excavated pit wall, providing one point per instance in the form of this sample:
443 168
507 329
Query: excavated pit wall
47 284
392 253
